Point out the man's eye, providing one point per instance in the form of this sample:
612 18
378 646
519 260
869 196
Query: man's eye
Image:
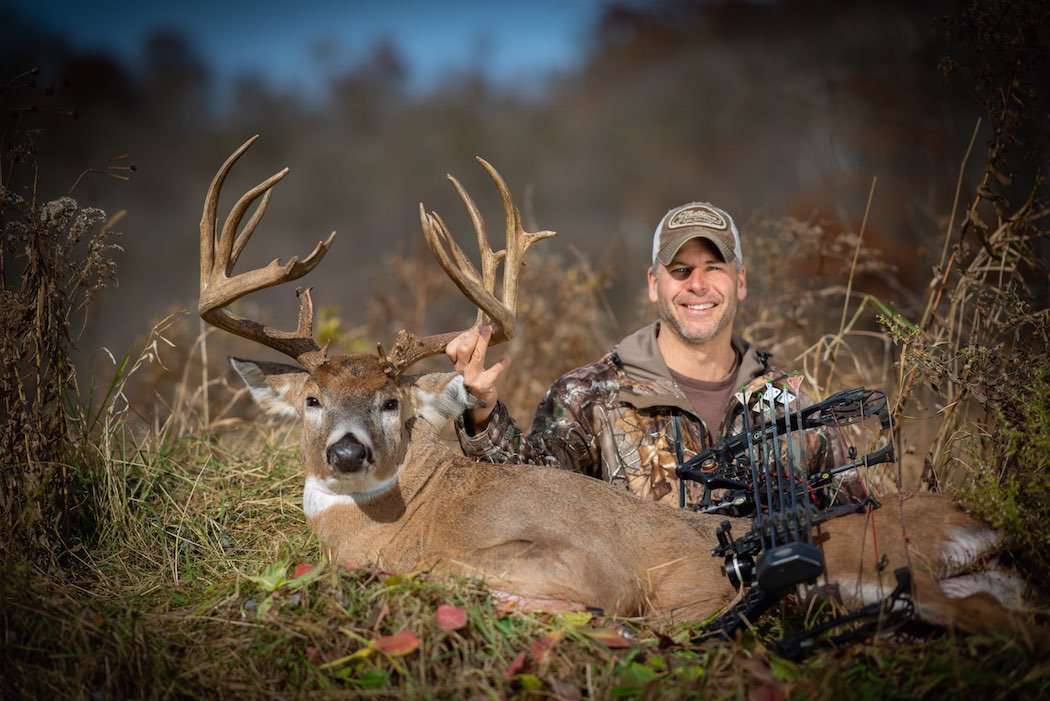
390 405
313 402
680 273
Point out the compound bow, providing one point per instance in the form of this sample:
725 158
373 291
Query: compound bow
758 474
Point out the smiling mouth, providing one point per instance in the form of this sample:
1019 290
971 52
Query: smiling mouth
699 307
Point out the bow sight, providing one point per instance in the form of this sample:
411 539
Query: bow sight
761 474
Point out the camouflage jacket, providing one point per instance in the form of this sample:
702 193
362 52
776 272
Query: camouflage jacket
614 420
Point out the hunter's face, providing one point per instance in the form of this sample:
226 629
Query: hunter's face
697 293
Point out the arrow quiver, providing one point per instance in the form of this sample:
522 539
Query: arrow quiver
760 473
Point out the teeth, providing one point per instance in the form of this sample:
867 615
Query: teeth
699 307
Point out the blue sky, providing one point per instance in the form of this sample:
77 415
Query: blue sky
520 40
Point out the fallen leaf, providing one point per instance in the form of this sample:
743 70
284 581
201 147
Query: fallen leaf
314 655
450 617
564 691
766 687
400 643
576 618
540 648
530 682
609 637
517 665
766 692
302 568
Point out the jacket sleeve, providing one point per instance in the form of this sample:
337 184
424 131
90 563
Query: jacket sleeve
561 435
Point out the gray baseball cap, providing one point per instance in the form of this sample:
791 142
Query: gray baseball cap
696 220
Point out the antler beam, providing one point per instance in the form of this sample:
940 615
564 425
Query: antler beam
219 287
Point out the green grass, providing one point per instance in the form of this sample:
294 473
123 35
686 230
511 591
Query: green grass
189 591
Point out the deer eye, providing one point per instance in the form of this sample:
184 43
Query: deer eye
390 405
313 402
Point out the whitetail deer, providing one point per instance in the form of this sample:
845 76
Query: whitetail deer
382 490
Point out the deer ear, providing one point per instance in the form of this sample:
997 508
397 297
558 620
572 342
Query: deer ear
276 387
441 396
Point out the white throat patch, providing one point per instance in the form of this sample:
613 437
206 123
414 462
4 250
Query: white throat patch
318 494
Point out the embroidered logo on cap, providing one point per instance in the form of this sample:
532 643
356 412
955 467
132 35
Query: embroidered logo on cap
698 215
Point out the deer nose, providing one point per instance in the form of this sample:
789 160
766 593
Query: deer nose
348 454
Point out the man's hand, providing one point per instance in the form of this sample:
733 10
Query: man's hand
467 353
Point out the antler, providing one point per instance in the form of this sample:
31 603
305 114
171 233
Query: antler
479 288
219 287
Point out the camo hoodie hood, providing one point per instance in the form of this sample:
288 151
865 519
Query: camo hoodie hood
643 364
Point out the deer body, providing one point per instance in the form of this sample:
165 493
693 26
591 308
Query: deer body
535 532
381 489
548 534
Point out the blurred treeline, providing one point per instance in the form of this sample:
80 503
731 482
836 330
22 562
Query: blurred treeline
768 109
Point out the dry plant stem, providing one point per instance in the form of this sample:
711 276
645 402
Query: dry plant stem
204 369
939 281
849 282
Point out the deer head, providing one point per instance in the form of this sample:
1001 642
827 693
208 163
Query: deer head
359 412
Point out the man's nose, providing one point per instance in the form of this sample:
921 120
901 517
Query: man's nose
697 280
348 454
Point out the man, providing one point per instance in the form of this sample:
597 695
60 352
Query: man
616 419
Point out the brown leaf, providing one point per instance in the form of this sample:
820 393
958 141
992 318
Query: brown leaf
401 643
450 617
516 666
540 648
609 637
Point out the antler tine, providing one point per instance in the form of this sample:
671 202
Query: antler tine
219 287
233 219
211 206
490 259
518 240
249 228
465 278
460 260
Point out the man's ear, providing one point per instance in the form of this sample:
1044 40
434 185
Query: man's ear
440 397
276 387
650 278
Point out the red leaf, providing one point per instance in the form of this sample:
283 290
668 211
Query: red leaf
450 617
766 692
766 687
516 666
540 649
314 655
302 568
609 637
398 644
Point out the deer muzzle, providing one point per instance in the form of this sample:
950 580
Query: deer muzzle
348 454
